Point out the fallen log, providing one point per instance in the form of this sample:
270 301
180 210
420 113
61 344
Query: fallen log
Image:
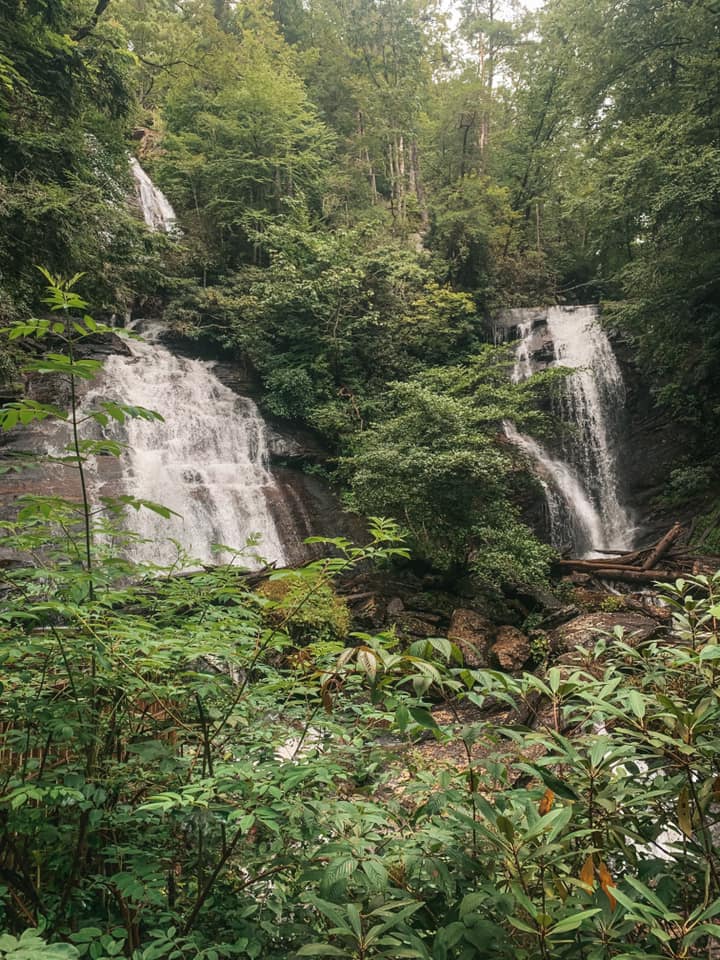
614 572
634 575
663 546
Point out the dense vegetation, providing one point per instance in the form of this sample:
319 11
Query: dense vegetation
192 768
216 766
360 185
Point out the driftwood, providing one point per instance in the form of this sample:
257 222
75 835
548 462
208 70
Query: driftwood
665 560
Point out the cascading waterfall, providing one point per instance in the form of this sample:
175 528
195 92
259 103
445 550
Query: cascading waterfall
208 460
572 516
156 209
582 486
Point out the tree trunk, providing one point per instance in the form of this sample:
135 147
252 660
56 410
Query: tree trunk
662 548
417 180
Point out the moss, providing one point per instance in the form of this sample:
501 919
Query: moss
309 610
707 530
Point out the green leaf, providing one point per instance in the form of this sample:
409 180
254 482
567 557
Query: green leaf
320 950
573 922
423 717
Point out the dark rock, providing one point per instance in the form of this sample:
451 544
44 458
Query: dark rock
415 626
534 597
511 650
432 602
370 613
237 376
584 630
474 634
395 607
293 445
103 345
557 617
302 506
577 578
544 353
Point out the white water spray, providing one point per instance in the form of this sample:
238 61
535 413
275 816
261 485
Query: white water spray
582 487
156 208
208 461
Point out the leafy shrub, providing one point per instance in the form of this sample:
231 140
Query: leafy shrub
307 608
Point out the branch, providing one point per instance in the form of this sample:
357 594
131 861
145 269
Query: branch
83 32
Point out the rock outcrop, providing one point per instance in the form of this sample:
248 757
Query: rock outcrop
511 651
474 634
584 630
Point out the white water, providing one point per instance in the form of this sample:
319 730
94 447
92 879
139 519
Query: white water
208 461
572 517
156 208
581 488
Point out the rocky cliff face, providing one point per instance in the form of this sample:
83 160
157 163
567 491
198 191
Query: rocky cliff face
649 449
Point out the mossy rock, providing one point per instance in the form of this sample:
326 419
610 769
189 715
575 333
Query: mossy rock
307 609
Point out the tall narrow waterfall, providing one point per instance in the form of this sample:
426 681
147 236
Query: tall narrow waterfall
156 208
582 485
208 461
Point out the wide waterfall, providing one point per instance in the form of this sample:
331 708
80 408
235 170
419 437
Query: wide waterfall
582 483
208 460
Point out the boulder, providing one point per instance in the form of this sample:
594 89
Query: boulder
557 617
412 625
585 629
511 650
474 635
395 607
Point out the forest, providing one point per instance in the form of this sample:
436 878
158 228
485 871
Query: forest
359 479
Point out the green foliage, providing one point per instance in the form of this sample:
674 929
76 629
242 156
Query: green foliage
65 96
435 462
31 946
308 608
174 785
330 321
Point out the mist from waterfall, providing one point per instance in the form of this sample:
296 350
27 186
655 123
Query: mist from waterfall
582 484
208 461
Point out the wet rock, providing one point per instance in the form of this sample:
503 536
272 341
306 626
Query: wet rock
238 376
395 607
511 650
432 602
414 626
292 444
370 613
303 506
557 617
103 345
474 634
586 629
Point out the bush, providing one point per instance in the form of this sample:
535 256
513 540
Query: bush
307 608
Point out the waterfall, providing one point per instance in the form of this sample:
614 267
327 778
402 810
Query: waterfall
208 461
571 515
582 485
156 209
